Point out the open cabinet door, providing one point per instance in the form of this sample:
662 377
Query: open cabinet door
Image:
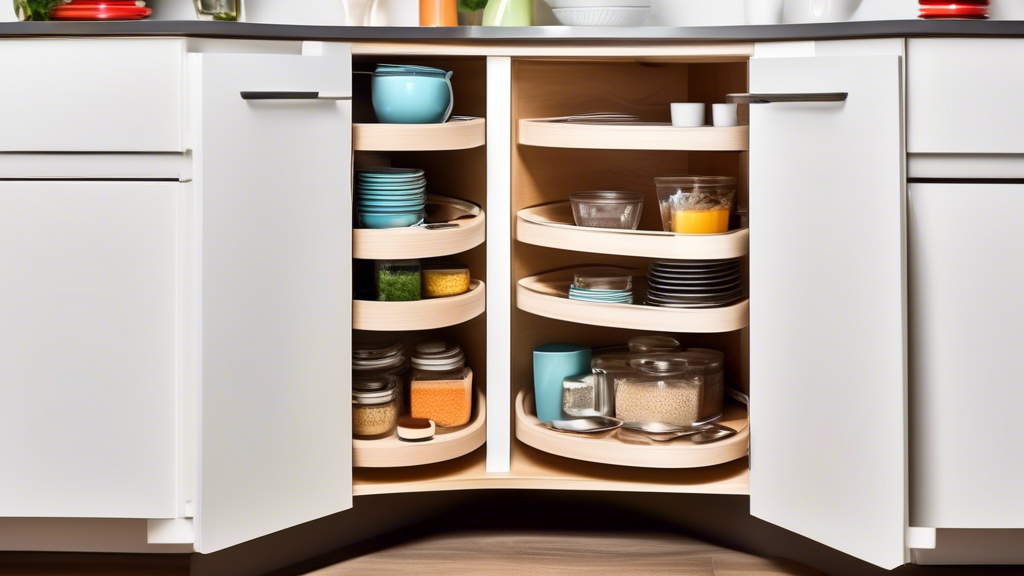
827 293
273 175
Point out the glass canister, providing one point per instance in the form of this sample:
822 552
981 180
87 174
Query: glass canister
696 204
441 279
588 395
397 280
375 405
217 9
385 358
441 385
661 390
708 366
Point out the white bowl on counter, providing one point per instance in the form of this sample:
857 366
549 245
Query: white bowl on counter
697 13
601 12
799 11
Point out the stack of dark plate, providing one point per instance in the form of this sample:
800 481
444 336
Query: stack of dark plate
695 283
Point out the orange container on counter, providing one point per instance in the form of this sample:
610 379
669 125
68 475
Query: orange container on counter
438 13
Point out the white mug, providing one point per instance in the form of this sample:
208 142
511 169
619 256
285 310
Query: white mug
724 114
687 114
764 11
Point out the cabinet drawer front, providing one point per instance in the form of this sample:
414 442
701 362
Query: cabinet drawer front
965 96
87 349
91 95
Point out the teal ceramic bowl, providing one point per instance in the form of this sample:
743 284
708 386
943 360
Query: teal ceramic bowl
382 221
388 204
411 187
412 97
368 199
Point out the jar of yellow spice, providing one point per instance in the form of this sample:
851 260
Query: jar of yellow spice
696 204
441 385
442 279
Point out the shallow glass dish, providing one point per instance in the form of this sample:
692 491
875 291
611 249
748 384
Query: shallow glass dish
607 209
602 279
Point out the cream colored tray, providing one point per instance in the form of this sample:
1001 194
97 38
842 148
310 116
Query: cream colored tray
419 315
555 134
453 135
418 242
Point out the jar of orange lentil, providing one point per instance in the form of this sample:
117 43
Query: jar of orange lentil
441 385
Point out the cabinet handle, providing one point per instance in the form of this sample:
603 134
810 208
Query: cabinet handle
293 96
772 98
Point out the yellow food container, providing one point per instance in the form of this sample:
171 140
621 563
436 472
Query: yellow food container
696 204
441 279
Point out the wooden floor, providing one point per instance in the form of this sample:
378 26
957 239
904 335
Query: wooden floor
551 553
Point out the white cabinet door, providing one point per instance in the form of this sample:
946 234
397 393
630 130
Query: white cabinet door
273 180
966 272
87 349
827 374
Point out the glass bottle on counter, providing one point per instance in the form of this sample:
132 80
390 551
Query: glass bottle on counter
441 385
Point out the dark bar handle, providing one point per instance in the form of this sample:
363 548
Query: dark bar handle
772 98
256 95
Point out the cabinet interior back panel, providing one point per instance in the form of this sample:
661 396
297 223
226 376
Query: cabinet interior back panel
87 349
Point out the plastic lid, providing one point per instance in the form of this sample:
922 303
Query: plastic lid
375 390
607 197
602 279
437 355
695 181
654 344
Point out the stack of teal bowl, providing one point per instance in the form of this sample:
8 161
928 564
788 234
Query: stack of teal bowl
602 286
390 197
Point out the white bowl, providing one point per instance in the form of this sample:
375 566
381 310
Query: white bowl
599 3
698 13
687 114
614 16
799 11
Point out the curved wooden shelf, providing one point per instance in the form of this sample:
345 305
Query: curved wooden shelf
418 242
545 295
419 315
452 135
448 443
552 225
622 450
554 134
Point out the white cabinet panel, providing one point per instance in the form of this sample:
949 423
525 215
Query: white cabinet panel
87 349
966 273
965 95
827 374
91 95
273 180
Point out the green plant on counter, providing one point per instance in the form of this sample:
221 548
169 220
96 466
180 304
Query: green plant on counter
35 9
472 5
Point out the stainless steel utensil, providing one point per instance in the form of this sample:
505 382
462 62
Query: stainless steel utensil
662 432
588 425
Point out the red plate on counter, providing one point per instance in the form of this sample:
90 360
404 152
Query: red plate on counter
72 12
104 3
954 11
953 2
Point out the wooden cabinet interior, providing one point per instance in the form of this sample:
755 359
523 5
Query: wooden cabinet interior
541 175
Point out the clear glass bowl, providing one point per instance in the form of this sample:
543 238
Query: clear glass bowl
696 204
607 209
602 279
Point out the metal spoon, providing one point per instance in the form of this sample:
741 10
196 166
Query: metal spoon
705 434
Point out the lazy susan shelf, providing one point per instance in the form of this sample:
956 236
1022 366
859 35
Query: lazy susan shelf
419 315
448 443
419 242
456 134
545 295
552 225
559 134
627 449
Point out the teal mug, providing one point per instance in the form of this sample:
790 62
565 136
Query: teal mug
413 97
552 364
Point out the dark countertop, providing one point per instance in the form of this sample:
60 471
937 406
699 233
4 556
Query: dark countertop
877 29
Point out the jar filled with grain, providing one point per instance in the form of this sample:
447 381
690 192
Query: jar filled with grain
661 390
708 367
441 385
441 279
375 405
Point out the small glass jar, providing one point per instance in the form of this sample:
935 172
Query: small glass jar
397 280
708 366
441 385
588 395
661 390
375 405
217 9
386 358
696 204
442 279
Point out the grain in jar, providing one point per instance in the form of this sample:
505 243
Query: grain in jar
375 405
441 385
661 390
441 279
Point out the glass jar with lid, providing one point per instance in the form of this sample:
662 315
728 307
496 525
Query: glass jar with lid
387 357
696 204
662 389
441 385
375 405
708 366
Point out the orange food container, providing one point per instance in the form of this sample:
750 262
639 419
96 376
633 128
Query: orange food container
438 13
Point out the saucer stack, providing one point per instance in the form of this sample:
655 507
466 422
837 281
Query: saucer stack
602 286
390 197
695 283
101 10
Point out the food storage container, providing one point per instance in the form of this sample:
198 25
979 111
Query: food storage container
397 280
696 204
602 279
588 395
364 283
408 94
442 279
663 389
217 9
708 366
439 13
607 209
375 405
441 385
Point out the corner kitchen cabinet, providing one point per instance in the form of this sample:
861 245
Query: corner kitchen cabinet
176 329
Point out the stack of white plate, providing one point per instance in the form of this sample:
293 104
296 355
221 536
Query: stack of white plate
695 283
